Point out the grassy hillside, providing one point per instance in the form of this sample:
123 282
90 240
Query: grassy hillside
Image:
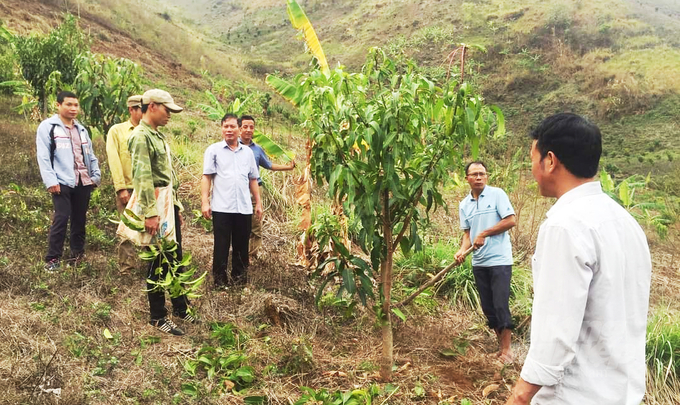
617 61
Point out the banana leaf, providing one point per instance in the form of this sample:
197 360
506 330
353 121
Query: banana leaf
286 89
270 147
299 20
215 111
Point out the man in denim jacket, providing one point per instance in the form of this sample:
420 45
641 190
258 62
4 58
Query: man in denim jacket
69 170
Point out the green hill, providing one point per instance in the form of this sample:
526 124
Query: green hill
617 61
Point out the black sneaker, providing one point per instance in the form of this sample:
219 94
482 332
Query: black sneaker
76 259
167 326
52 266
187 317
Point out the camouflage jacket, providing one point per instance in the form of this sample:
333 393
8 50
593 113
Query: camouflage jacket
151 167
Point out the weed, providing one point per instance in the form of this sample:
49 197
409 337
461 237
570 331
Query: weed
323 397
102 311
298 358
223 363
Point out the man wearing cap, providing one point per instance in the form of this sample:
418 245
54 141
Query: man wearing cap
247 128
151 168
229 169
69 170
121 172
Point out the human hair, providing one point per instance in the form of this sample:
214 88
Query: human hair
245 118
574 140
145 108
64 95
476 162
229 116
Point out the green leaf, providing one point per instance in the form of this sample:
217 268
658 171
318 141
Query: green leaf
256 400
190 389
107 334
500 121
399 314
287 90
270 147
625 194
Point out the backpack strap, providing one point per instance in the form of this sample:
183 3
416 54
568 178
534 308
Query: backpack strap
53 145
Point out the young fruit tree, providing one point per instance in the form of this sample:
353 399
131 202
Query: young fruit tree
385 142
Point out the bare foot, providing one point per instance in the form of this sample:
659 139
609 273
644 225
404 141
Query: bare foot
506 358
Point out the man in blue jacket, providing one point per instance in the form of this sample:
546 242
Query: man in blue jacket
69 170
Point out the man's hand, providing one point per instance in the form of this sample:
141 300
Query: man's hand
151 225
56 189
205 209
459 256
124 196
258 211
479 241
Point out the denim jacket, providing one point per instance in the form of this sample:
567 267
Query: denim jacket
63 171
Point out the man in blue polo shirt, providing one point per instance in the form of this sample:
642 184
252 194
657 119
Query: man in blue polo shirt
247 127
229 169
486 215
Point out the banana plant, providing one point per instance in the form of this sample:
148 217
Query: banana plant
300 22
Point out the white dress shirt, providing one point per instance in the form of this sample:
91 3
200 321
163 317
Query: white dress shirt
592 273
233 170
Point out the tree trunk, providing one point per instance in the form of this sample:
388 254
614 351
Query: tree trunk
386 281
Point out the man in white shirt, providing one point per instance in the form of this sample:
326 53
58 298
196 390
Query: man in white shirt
592 272
230 173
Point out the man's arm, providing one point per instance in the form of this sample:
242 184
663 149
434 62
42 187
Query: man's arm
276 167
502 226
206 185
522 393
115 165
464 246
42 140
255 191
142 180
562 280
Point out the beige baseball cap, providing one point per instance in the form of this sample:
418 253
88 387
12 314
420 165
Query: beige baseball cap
134 101
161 97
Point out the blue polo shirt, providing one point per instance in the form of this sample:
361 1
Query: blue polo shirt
481 214
261 158
233 170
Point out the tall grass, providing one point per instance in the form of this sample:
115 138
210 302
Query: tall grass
458 284
663 356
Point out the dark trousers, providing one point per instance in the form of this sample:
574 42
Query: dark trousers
71 204
493 284
230 230
157 298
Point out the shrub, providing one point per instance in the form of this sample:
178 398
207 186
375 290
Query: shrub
663 346
39 56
